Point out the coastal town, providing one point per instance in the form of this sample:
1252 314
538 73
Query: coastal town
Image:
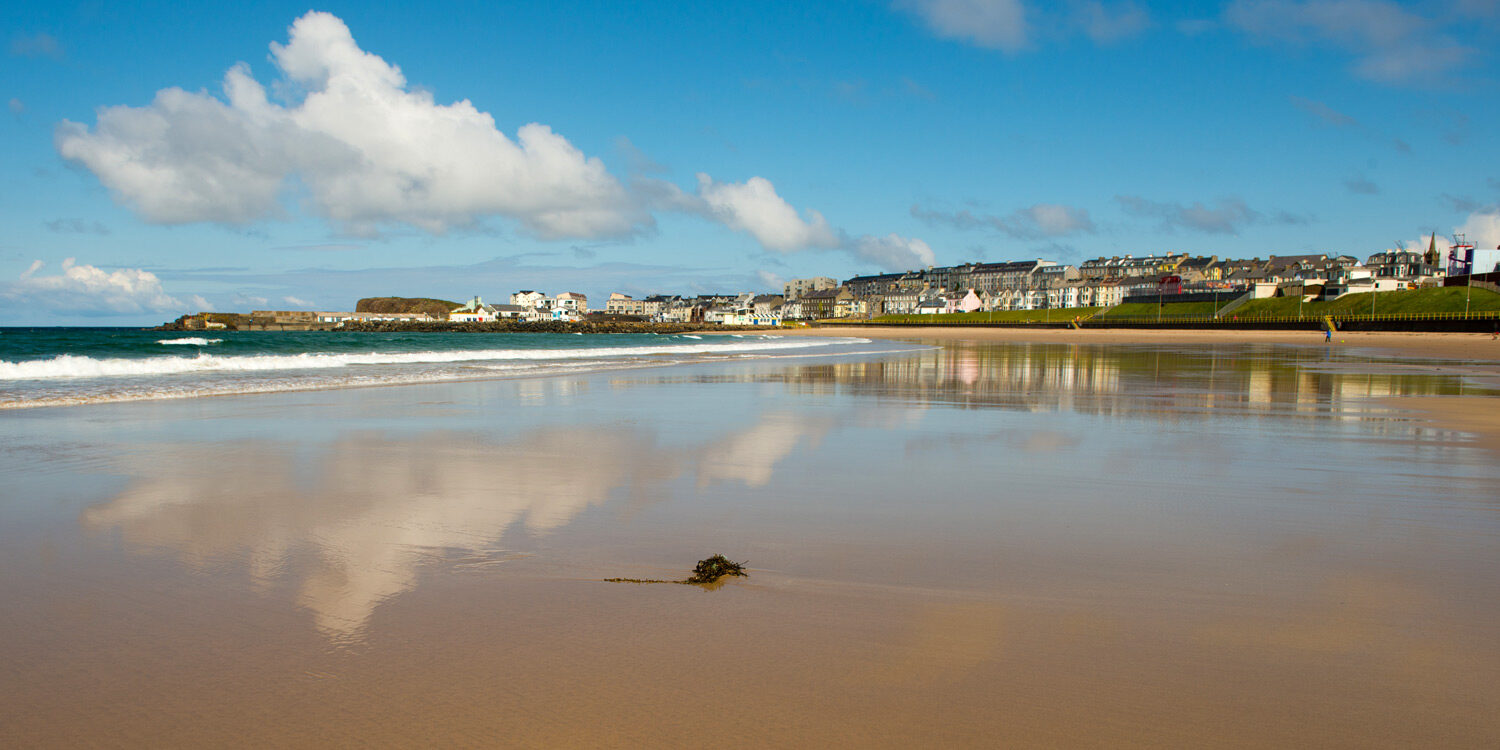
1038 284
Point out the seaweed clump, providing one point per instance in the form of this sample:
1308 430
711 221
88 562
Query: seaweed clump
708 571
712 569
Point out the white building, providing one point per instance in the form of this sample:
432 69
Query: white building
572 301
528 298
970 302
473 311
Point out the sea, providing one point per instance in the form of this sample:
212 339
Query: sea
73 366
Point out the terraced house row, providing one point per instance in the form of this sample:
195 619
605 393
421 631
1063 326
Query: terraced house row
1044 284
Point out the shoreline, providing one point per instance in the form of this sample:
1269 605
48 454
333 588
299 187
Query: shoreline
1476 353
1467 347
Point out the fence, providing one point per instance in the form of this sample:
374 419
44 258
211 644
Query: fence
1412 321
1315 318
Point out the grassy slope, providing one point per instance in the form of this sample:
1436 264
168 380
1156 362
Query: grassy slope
1001 316
1445 299
1169 310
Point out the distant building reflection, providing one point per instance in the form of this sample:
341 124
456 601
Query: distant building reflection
1158 382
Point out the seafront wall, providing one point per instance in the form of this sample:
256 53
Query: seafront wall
500 326
1436 322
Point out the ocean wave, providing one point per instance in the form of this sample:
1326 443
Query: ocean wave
68 366
190 341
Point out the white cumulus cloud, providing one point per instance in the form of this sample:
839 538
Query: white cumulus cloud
357 146
754 207
1482 229
368 150
90 290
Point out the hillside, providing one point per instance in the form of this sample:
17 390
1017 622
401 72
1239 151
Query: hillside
1060 315
437 308
1451 299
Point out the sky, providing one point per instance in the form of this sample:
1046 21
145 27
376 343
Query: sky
159 160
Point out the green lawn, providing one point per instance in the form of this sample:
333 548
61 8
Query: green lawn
1439 300
1443 299
1060 315
1168 310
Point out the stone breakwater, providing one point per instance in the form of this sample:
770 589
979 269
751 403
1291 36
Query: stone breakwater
243 323
545 326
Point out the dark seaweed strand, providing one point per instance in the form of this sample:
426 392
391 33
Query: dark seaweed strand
708 570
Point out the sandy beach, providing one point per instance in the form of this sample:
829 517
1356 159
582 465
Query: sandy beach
1477 354
986 538
1468 347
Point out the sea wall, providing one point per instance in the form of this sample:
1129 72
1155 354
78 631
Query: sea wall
245 323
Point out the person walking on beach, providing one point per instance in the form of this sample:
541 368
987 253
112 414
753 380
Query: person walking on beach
1328 334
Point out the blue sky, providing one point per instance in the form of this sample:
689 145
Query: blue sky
160 160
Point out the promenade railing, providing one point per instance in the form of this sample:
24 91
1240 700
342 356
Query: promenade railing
1309 318
1205 320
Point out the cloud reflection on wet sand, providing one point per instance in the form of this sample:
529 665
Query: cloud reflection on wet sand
374 508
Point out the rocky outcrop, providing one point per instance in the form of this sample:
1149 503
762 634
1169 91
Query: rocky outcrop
437 308
207 321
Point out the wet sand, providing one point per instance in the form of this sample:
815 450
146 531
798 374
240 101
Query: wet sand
1471 347
987 543
1476 354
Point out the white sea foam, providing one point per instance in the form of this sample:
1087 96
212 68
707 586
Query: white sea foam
190 341
691 336
65 366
